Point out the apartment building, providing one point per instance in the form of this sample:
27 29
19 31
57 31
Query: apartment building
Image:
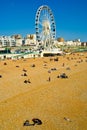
7 41
30 39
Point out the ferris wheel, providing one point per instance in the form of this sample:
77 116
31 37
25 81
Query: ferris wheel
45 26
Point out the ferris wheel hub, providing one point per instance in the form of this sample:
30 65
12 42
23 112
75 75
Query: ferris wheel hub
46 27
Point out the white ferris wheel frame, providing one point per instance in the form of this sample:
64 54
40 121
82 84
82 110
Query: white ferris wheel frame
44 13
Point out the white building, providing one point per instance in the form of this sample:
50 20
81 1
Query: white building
30 39
7 41
18 39
19 42
69 43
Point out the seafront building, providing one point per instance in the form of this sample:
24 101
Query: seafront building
30 40
7 41
17 40
16 46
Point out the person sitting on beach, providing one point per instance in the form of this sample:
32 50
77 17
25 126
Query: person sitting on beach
26 123
25 74
24 70
37 121
28 81
25 81
0 76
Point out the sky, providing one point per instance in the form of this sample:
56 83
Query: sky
18 17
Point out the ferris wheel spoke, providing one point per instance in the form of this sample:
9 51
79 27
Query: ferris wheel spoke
40 23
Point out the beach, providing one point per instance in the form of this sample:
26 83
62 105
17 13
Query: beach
60 103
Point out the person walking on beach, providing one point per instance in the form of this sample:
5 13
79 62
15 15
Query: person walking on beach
49 79
63 65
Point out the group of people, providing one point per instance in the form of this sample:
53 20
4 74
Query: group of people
35 121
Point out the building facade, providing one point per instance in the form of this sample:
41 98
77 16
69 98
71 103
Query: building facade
7 41
30 39
17 40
